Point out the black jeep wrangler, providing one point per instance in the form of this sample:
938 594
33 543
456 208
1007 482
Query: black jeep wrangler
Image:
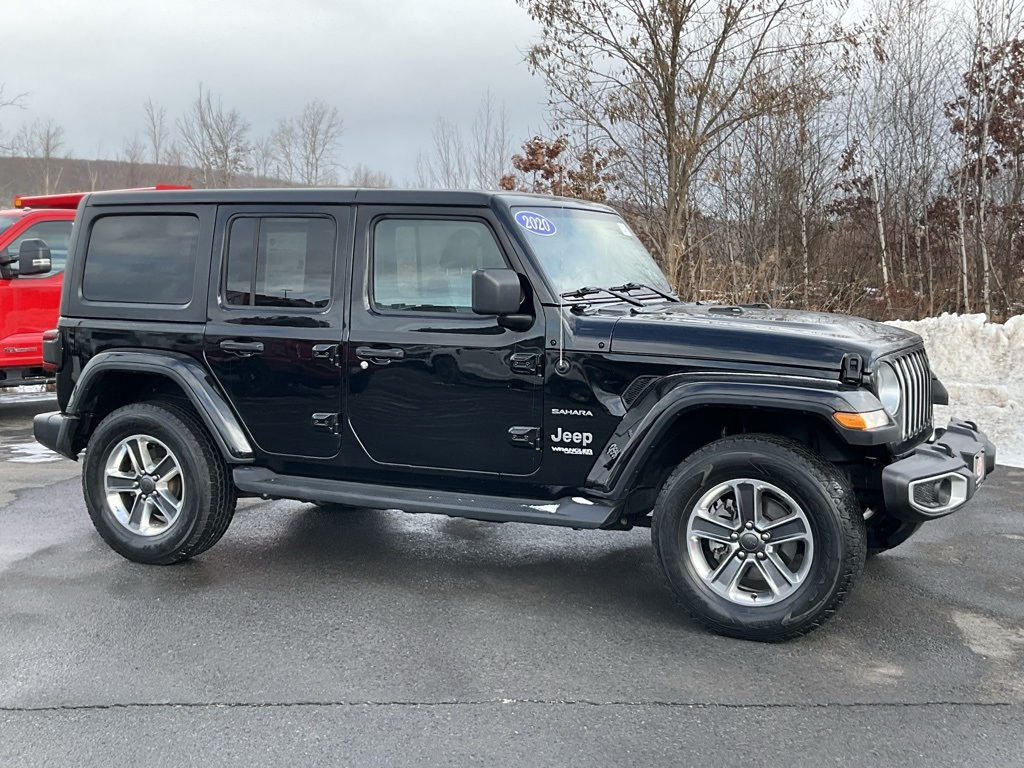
502 357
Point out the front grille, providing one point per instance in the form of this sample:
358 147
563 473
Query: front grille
915 377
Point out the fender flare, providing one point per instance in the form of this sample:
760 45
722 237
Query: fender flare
635 437
184 371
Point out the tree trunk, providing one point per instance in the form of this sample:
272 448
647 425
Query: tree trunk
962 222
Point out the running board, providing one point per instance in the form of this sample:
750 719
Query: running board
575 512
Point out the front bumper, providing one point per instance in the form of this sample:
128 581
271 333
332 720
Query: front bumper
940 476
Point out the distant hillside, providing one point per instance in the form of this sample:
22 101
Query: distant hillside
26 176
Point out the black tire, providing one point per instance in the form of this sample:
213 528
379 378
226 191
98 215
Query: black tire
885 533
201 488
797 488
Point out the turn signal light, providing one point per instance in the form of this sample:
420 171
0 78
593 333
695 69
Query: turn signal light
861 421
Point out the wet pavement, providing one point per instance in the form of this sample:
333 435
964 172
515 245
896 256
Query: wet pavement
375 638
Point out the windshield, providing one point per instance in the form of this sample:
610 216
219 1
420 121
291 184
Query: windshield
587 248
6 222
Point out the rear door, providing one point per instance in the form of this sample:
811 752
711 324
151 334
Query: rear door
275 323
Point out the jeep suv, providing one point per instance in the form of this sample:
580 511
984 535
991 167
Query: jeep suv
503 357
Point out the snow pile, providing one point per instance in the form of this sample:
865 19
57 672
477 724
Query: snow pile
982 366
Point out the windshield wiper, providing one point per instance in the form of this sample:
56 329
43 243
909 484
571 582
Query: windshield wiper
642 287
582 293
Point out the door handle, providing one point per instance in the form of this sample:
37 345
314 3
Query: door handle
380 356
242 348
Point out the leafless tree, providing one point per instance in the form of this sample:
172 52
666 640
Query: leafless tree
477 163
364 176
132 157
491 143
663 85
264 158
993 28
157 130
18 100
305 146
41 141
448 167
214 141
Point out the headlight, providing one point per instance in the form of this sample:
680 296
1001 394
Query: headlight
887 388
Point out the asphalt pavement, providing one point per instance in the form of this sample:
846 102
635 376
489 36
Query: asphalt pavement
376 638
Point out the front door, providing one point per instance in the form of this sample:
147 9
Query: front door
274 335
431 384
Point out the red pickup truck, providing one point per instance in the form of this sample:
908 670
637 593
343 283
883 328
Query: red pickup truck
29 303
29 287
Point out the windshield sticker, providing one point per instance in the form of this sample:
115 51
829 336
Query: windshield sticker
535 224
625 230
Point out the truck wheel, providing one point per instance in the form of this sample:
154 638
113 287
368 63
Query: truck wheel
758 537
156 487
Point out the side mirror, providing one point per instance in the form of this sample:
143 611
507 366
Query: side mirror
34 257
496 292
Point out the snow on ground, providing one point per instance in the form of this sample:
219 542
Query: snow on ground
982 366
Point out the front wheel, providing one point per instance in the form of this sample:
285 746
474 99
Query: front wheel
156 487
759 538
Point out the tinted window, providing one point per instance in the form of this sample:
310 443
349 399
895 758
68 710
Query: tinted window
428 264
149 259
56 235
280 262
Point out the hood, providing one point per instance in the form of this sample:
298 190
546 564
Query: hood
755 335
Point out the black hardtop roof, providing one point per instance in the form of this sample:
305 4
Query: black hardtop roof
337 195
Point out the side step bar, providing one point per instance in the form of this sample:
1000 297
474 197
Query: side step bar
575 512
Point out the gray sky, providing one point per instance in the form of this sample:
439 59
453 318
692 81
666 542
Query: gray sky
390 67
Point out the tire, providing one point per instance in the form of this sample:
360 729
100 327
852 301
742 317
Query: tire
190 499
726 573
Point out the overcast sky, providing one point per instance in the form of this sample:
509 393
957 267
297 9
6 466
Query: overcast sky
389 66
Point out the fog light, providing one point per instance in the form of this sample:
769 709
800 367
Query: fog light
938 494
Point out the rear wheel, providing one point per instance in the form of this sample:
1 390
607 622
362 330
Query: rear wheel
156 487
758 537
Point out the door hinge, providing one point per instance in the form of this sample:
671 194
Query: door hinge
524 362
327 352
326 422
525 437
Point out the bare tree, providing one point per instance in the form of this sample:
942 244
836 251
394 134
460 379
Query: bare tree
448 166
6 144
306 146
40 141
264 158
663 85
480 162
214 141
993 27
131 158
157 130
491 143
364 176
